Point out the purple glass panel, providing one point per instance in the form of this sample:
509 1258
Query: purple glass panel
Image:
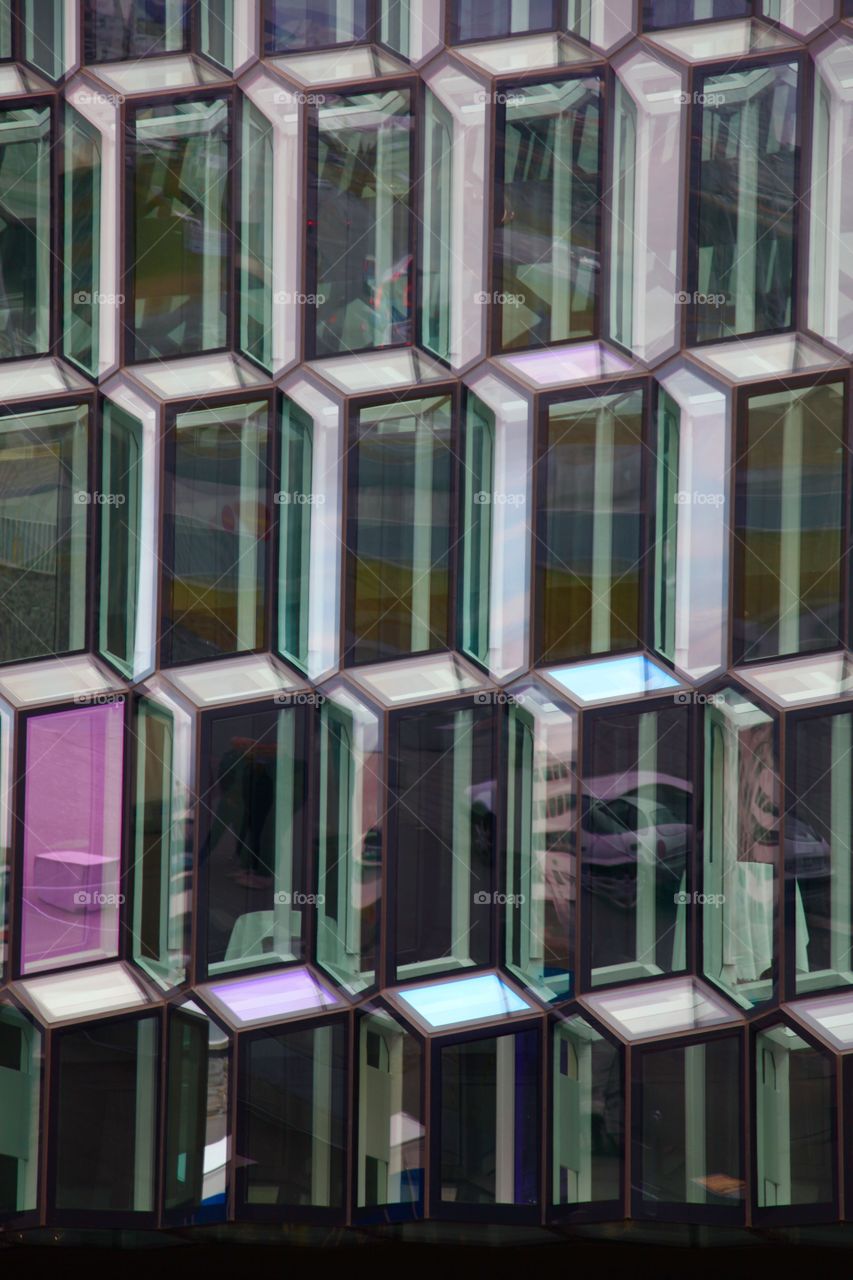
72 836
273 995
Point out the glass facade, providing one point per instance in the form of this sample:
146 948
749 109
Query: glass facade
426 638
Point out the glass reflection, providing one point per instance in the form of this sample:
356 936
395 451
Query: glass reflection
180 165
113 32
390 1123
314 24
743 260
25 239
795 1121
589 1121
487 19
20 1083
360 251
547 212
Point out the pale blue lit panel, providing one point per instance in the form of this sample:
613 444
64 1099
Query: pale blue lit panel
446 1004
614 678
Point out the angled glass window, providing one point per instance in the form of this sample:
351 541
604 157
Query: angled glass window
400 529
180 244
658 14
113 33
43 26
295 502
490 19
25 231
217 483
666 525
291 1137
256 235
541 885
20 1086
588 1116
43 525
360 244
187 1103
818 833
478 481
589 546
789 522
744 202
690 1128
636 838
216 31
795 1121
105 1116
547 192
489 1100
390 1114
442 810
436 239
741 849
162 856
252 856
5 29
82 239
315 24
121 444
72 836
352 810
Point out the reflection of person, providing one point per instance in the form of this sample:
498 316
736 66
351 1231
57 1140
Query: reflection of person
247 795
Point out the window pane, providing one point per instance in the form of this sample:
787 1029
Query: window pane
789 521
43 520
314 24
743 271
390 1119
252 856
741 849
485 19
478 478
295 506
106 1116
636 835
436 272
82 237
589 1122
181 177
658 14
25 242
547 212
186 1112
72 849
795 1121
400 530
115 32
589 548
443 801
817 850
690 1119
216 36
293 1099
162 856
217 482
666 525
121 442
256 236
20 1084
490 1121
361 253
43 25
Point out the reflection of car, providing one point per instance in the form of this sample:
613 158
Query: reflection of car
613 828
807 854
